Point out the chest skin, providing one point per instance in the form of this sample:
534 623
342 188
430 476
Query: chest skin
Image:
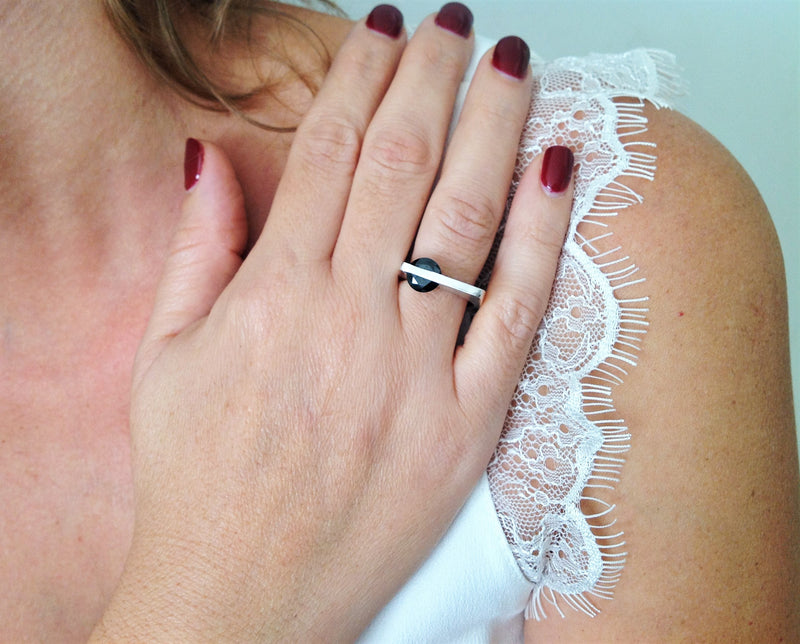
66 504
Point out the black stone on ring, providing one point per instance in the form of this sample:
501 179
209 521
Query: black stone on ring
420 283
424 275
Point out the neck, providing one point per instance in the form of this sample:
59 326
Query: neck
82 127
92 143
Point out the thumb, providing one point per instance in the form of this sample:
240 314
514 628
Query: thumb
204 254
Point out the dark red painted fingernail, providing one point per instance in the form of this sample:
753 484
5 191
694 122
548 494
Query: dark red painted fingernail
511 56
455 17
557 169
386 19
192 163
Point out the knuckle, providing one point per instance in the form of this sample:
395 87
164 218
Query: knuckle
401 149
520 319
330 144
504 113
368 62
247 316
545 249
466 221
456 448
547 234
257 310
447 63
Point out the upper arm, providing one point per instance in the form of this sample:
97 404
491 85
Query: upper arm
708 496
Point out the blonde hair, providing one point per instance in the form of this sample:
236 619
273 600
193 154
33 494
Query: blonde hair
157 31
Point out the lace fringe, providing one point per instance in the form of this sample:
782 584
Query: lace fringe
667 75
597 398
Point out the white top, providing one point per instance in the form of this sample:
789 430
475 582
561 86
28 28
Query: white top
469 590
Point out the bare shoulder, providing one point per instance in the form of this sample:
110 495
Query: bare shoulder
708 497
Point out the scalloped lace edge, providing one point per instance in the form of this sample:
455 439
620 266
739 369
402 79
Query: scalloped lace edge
569 562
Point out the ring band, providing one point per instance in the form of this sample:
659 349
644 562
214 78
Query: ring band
424 275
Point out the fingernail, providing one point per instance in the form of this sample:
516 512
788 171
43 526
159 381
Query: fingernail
455 17
386 19
511 56
192 163
557 167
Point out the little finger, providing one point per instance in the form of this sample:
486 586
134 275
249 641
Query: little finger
487 366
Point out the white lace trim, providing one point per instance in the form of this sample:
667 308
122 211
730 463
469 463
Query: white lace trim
557 446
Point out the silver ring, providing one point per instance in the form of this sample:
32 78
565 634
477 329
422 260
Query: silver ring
424 275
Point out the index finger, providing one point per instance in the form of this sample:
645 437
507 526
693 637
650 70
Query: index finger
311 197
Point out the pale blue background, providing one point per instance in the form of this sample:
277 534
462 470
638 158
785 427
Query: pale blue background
741 59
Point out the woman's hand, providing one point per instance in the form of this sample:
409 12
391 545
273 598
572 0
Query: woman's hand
304 427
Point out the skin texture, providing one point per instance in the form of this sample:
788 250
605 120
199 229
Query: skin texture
89 208
708 496
282 405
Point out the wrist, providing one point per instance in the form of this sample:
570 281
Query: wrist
170 596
